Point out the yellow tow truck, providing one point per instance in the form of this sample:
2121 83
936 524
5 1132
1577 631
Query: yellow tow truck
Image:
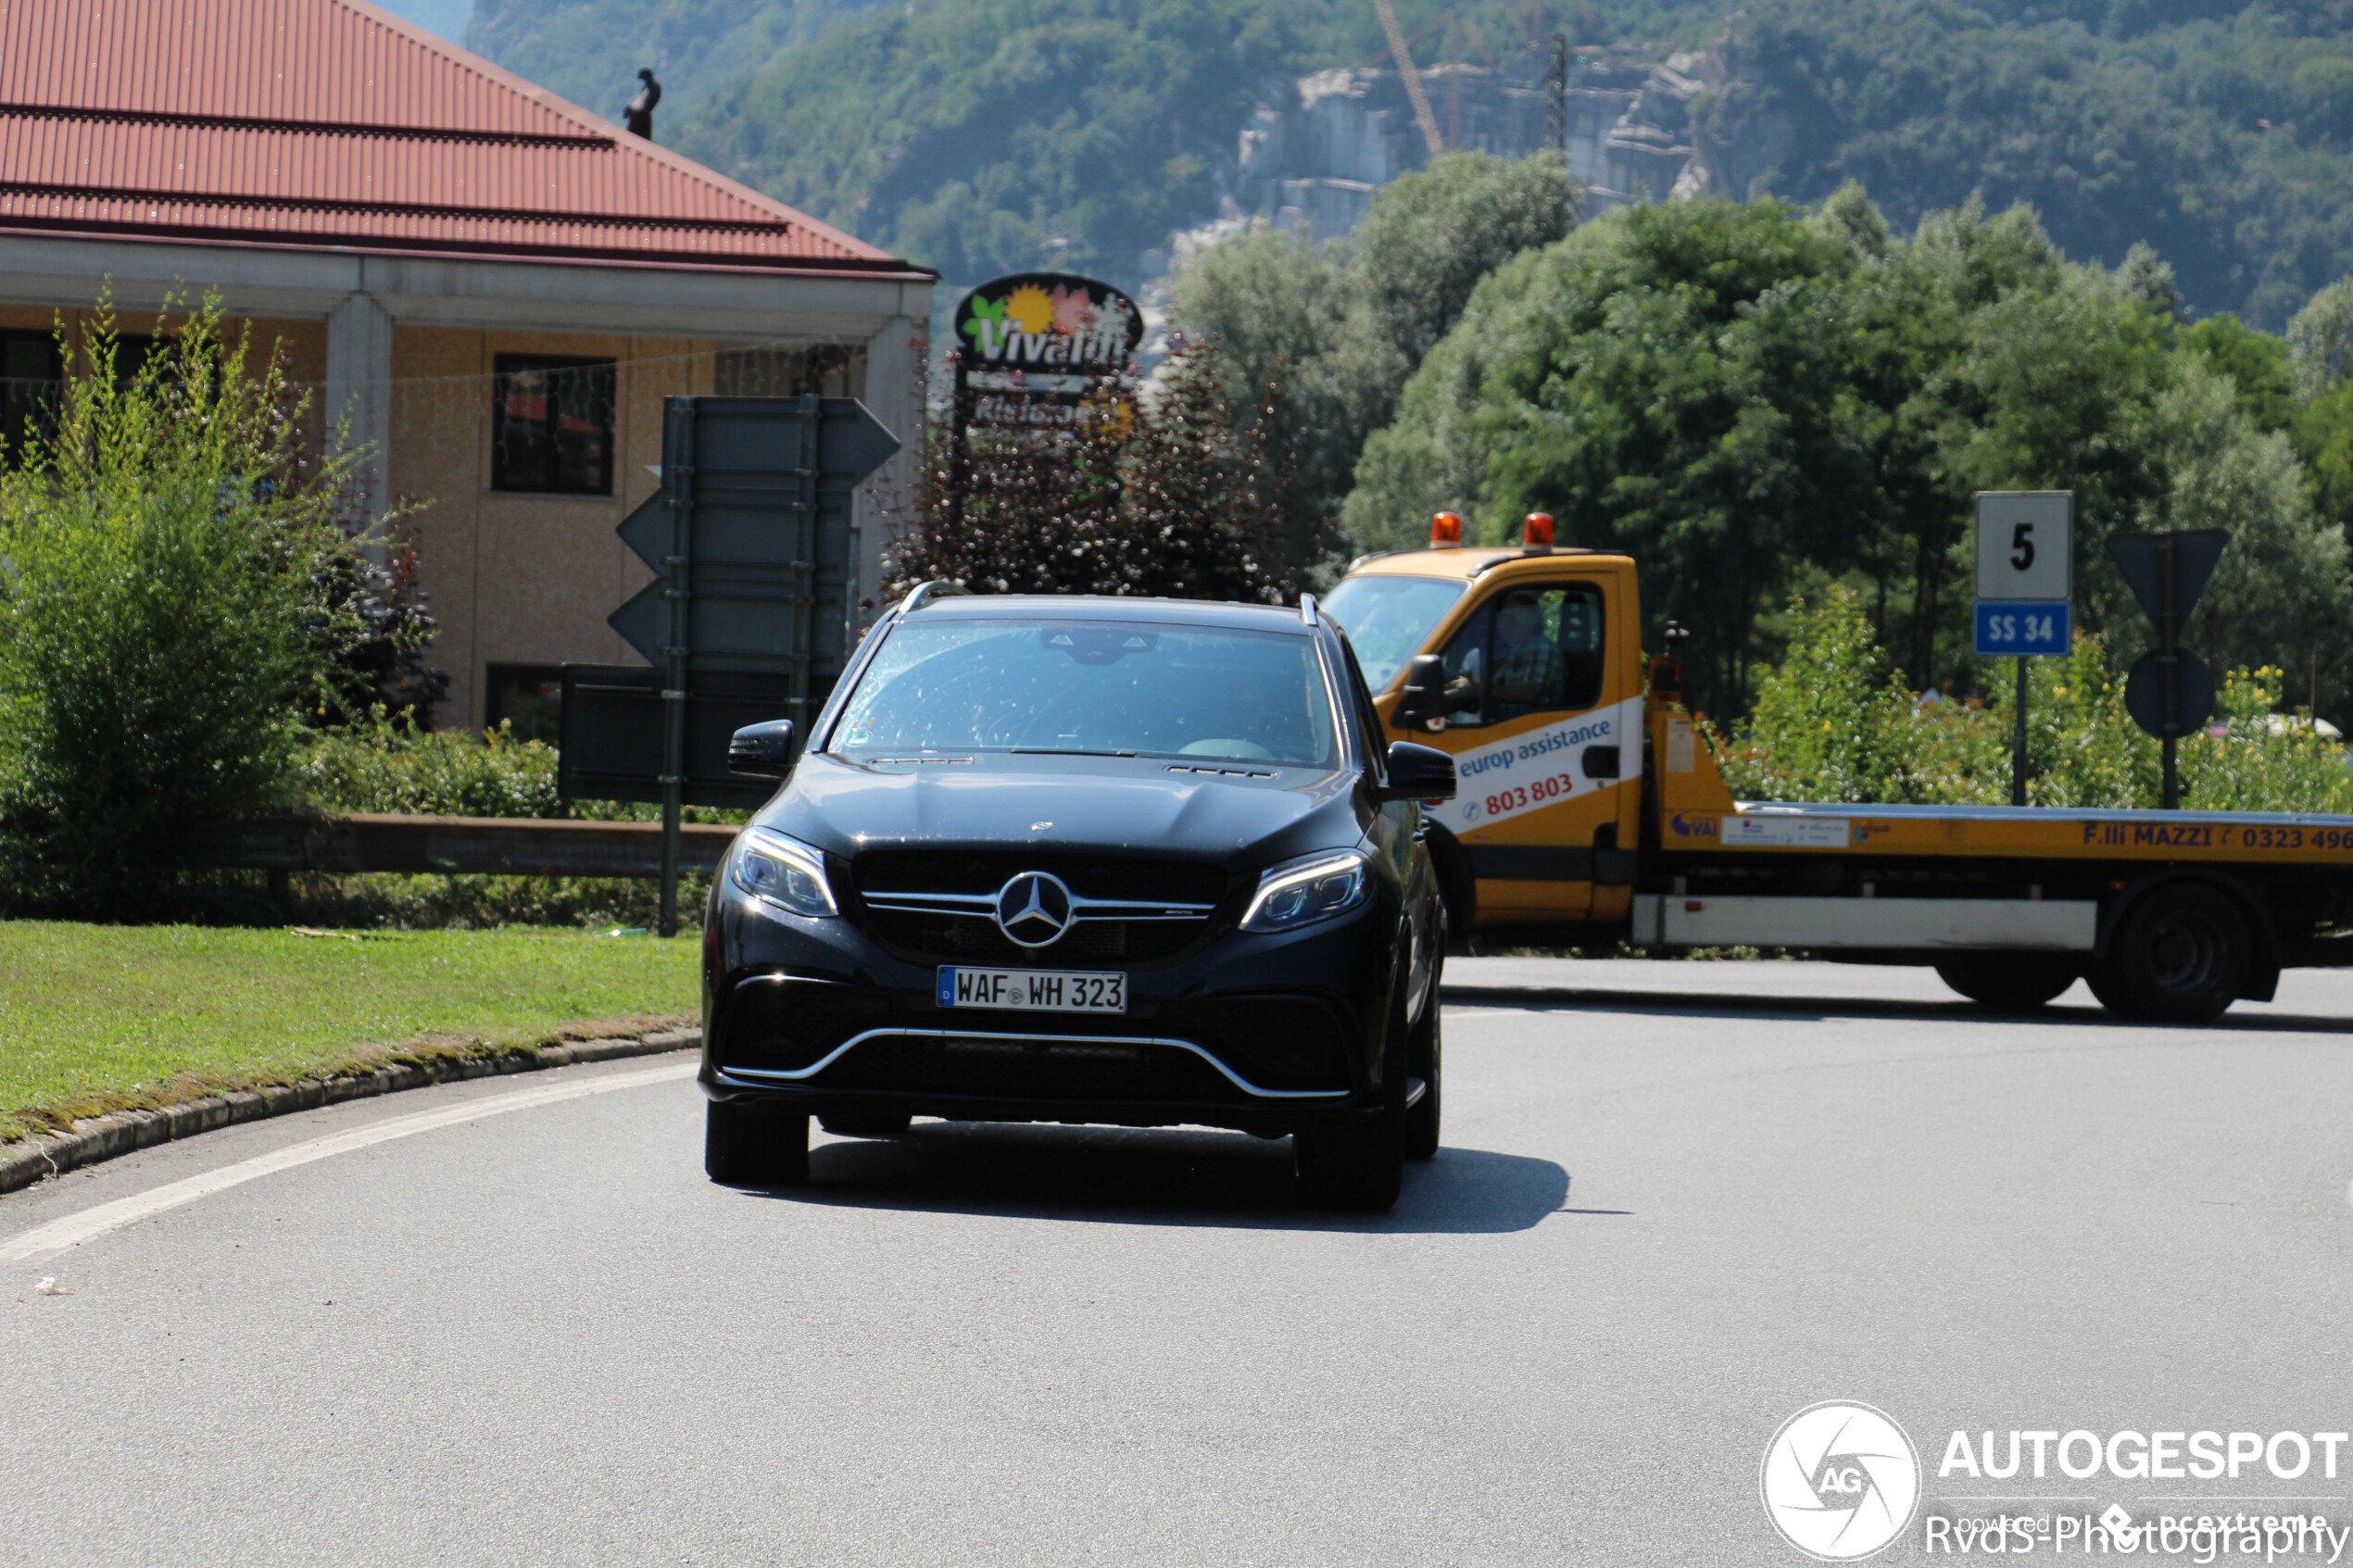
1592 805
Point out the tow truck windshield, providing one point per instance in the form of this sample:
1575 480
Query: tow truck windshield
1388 619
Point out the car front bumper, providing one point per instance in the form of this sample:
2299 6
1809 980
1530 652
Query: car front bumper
1266 1033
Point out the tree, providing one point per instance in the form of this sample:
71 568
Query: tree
1341 329
165 622
2257 363
2320 340
1157 496
1656 382
2281 595
1752 399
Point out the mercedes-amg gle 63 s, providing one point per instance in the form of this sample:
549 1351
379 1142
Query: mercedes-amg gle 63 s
1131 861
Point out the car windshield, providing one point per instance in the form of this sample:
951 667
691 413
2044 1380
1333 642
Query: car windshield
1390 618
1081 686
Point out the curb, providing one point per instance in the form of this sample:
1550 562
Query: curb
97 1139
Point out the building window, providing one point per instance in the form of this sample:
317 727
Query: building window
528 699
551 425
30 381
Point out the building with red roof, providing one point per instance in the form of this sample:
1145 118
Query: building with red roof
490 287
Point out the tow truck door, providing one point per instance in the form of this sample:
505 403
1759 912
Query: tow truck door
1545 725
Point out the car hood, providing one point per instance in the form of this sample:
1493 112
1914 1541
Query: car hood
1134 805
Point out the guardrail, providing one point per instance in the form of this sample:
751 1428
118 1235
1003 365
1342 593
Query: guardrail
489 845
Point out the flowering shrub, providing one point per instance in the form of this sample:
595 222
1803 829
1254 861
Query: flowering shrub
1833 721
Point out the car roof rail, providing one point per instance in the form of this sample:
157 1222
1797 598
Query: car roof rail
1307 610
937 588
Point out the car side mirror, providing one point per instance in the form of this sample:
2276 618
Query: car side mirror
1418 772
1424 703
762 751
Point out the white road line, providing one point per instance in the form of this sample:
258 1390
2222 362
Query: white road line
91 1223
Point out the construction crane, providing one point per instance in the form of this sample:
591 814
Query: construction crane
1411 78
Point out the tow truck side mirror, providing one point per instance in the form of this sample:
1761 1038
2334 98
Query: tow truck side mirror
1418 772
762 751
1425 696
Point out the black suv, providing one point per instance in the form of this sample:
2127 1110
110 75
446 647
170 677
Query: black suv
1135 861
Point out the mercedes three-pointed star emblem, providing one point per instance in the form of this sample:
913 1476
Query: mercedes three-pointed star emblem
1034 908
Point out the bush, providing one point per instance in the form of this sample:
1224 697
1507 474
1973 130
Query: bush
1835 722
389 764
163 624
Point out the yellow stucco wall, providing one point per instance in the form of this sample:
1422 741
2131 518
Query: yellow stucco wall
524 579
520 578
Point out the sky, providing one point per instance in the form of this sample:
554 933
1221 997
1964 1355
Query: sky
446 18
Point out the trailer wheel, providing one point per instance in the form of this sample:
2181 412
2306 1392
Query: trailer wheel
2182 955
2009 982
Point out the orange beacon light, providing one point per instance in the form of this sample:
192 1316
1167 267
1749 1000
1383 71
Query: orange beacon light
1539 535
1445 530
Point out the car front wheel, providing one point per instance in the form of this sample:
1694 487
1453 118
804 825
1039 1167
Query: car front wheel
1427 1059
1362 1165
743 1145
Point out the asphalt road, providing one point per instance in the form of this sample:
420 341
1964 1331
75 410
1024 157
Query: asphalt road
1671 1211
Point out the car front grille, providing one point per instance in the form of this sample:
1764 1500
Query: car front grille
937 907
959 938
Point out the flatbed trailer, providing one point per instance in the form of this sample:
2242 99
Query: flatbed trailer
1592 805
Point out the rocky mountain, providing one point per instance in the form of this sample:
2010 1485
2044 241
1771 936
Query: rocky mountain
983 136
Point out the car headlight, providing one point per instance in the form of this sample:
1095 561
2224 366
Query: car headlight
1301 892
784 872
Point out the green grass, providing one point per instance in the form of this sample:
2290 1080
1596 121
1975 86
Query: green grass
101 1016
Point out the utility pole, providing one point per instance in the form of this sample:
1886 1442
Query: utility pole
1556 97
2169 663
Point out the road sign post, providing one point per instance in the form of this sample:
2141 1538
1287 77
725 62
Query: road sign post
748 617
2170 691
2025 590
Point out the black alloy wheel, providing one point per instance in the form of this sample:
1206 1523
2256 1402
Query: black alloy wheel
2182 956
1362 1165
1425 1061
744 1145
2010 982
1427 1055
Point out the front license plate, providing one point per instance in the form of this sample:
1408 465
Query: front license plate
1032 990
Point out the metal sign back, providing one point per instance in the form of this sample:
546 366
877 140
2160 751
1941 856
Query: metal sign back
2196 552
2193 701
748 617
611 738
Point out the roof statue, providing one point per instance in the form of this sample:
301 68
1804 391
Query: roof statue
640 116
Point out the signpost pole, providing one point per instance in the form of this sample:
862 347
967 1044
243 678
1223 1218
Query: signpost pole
958 458
2018 742
2168 659
680 477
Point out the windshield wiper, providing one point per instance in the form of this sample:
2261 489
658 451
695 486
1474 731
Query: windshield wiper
1062 751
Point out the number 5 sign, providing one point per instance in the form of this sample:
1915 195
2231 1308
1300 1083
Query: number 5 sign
2025 571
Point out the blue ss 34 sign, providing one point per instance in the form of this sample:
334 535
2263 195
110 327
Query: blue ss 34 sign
2010 629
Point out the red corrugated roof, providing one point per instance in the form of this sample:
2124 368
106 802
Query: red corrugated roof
329 122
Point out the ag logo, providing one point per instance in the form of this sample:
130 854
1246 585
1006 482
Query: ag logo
1839 1481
